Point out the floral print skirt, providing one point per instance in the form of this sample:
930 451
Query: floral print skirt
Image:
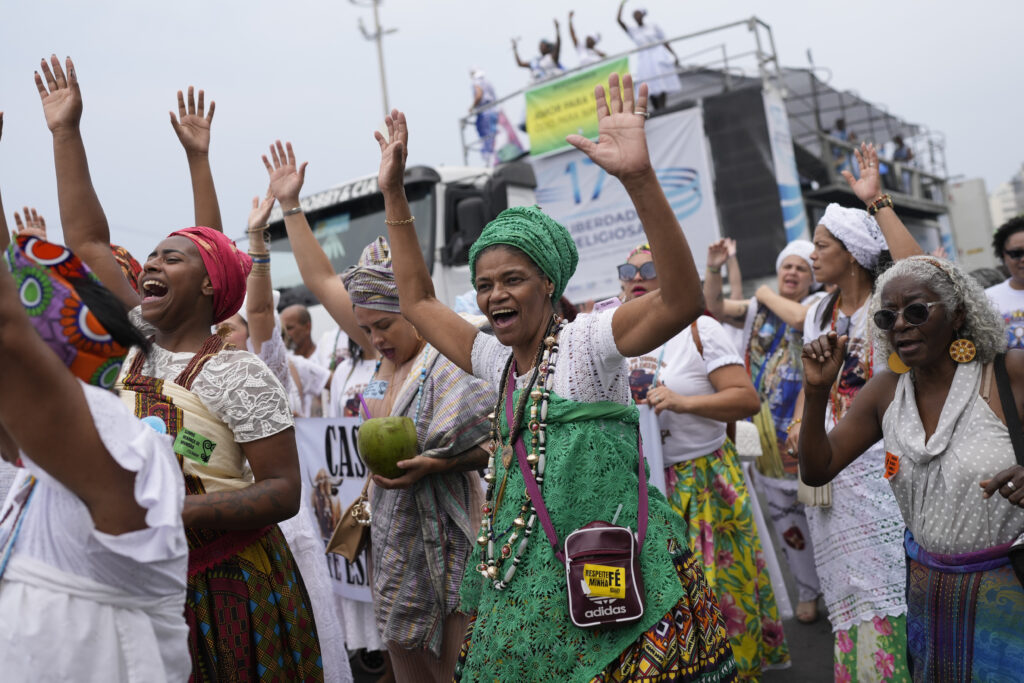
711 495
873 650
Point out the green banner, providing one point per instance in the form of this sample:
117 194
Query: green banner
566 106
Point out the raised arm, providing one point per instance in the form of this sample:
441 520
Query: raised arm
259 290
557 51
85 225
36 389
618 17
732 267
793 313
286 179
727 311
192 126
647 322
824 455
445 329
868 188
572 31
515 53
34 223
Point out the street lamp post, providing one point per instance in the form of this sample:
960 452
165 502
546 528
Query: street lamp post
377 35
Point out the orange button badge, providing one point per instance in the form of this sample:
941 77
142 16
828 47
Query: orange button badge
892 465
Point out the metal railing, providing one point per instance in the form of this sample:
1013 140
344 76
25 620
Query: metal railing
904 177
760 60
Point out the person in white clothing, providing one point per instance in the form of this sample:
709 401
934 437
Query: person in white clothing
695 383
657 65
547 63
93 555
587 50
1008 296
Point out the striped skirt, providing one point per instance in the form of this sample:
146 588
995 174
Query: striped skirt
965 618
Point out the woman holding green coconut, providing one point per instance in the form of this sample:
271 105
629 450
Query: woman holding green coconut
575 377
424 522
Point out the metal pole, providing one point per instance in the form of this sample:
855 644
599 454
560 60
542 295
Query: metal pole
378 35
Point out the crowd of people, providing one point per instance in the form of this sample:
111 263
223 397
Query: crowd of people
160 532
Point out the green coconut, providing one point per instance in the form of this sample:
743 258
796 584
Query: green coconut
384 441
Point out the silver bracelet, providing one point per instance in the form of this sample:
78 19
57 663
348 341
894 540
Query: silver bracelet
292 212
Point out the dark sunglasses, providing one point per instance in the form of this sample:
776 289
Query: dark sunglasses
627 271
915 314
1015 254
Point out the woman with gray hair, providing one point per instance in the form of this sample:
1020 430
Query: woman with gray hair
945 434
858 538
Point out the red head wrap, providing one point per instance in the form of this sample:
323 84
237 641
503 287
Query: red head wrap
227 267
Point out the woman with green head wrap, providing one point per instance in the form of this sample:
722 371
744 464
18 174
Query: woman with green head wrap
572 380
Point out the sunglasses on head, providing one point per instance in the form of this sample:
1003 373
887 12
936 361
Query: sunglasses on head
627 271
1015 254
915 314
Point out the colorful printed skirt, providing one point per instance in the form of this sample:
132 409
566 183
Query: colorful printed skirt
711 495
248 613
965 615
687 645
871 651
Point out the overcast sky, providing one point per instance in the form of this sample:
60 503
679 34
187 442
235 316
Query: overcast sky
302 71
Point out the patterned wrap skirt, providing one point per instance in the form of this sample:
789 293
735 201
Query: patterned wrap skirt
248 612
965 618
688 644
710 494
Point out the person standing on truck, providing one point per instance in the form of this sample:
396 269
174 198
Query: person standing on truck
546 64
656 65
587 52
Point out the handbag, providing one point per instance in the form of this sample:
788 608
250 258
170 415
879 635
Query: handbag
352 534
603 579
1006 398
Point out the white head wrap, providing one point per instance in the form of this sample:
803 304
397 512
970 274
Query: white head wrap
801 248
858 231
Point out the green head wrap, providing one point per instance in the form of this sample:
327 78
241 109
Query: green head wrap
542 238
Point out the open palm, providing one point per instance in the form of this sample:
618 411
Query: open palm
394 150
621 147
869 185
60 94
286 176
192 125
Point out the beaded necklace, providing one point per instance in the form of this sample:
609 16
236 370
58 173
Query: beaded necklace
539 391
834 393
419 390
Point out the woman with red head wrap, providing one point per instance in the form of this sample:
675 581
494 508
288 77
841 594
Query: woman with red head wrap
227 413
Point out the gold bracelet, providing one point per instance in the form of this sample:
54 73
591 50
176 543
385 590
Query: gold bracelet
259 229
792 424
260 269
408 220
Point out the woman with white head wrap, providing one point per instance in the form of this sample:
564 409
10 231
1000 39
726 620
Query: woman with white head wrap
858 541
772 337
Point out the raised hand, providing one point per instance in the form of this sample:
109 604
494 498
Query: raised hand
260 211
34 224
869 186
192 124
730 245
621 147
823 359
60 94
286 177
394 150
718 254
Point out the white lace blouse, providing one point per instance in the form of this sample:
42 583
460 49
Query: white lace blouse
234 385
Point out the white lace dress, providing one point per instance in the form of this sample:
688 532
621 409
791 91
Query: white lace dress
858 542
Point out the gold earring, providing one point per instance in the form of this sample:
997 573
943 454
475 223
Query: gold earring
896 364
963 350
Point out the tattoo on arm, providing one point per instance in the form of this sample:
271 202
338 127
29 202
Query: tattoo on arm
253 507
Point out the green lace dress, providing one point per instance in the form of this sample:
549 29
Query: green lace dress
524 633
